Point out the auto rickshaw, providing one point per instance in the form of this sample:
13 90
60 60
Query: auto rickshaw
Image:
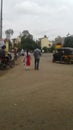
63 55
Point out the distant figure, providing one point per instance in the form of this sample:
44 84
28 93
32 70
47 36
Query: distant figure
15 54
22 52
37 54
27 60
2 52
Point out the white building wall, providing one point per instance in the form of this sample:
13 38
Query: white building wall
46 43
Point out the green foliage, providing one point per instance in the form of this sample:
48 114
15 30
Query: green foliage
10 45
68 42
27 43
45 49
8 33
51 49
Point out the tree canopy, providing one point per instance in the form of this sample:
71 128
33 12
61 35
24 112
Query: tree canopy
68 42
27 41
8 33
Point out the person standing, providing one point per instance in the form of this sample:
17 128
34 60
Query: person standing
37 54
15 54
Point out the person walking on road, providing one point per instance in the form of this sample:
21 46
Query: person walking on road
37 54
27 60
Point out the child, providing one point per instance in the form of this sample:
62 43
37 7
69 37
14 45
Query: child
27 59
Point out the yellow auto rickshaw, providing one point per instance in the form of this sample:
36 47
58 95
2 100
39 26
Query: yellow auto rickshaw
63 55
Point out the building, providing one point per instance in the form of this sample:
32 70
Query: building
45 42
16 41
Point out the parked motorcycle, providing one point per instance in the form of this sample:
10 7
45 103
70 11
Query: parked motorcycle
7 62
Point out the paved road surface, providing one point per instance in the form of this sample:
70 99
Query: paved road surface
37 100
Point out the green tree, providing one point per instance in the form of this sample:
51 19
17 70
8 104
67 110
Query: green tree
68 42
8 33
51 49
45 49
27 43
38 44
9 44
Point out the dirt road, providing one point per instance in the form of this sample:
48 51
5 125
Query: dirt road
37 100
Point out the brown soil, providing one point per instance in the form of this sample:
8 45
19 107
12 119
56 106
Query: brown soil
37 100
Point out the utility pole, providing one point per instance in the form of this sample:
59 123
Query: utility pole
1 12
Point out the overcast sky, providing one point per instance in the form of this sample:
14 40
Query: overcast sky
39 17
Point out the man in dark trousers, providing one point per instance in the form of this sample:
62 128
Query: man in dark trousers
37 54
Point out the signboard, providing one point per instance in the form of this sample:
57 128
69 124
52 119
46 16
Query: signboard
1 43
57 46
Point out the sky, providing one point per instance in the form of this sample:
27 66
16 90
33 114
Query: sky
40 17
